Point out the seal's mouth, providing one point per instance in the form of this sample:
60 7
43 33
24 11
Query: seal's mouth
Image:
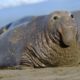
59 40
62 43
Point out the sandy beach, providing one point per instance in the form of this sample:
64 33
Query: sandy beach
59 73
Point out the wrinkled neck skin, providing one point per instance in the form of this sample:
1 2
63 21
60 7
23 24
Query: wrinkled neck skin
47 51
68 54
60 54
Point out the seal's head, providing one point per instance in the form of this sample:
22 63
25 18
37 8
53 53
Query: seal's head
63 27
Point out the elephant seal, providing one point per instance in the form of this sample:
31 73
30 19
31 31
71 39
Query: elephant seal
47 41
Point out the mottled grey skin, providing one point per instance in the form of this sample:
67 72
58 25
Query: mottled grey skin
77 19
17 23
5 28
47 41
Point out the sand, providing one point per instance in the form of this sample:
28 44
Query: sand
59 73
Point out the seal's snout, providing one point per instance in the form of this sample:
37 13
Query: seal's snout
68 35
68 42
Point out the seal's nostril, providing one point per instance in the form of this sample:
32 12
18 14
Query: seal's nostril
55 17
72 16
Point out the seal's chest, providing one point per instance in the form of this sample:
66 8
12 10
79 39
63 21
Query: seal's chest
69 56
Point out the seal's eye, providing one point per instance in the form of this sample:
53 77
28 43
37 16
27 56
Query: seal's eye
55 17
72 16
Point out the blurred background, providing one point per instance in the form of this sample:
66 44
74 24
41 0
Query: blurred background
12 10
